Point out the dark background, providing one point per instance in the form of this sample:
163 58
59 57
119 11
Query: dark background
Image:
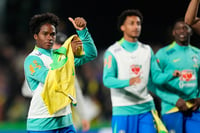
101 16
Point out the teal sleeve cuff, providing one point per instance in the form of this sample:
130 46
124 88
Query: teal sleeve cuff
82 33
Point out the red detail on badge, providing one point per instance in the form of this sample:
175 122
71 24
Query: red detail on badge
187 76
135 69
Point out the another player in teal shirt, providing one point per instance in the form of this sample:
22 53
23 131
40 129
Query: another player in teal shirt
180 55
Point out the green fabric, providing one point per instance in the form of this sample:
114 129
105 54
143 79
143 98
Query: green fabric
56 54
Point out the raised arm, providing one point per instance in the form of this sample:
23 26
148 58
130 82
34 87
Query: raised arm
191 15
89 47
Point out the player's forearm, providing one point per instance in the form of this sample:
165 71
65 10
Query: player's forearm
88 46
191 13
112 82
88 43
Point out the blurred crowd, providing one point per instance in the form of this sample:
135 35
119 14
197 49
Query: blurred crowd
13 104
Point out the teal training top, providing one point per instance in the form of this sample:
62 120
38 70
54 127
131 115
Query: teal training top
185 59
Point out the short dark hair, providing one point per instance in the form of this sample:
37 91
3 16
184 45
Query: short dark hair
178 20
40 19
128 12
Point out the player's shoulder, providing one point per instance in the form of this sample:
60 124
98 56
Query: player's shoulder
31 58
168 49
115 47
194 48
144 45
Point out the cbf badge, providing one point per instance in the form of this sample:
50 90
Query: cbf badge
195 60
187 75
135 69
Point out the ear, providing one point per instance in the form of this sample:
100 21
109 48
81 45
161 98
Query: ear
173 32
122 28
35 36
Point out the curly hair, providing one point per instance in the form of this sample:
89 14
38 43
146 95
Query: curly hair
40 19
128 12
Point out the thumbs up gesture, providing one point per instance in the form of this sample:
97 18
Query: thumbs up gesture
79 23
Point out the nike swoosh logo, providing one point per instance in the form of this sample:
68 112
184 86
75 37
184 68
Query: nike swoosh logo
176 60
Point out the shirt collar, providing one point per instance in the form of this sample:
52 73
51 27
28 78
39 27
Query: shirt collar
44 51
129 46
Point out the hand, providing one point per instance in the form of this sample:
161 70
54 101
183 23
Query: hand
135 80
77 45
85 125
196 104
181 104
79 23
177 73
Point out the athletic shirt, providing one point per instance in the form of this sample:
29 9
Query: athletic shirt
36 67
185 59
131 64
123 60
135 99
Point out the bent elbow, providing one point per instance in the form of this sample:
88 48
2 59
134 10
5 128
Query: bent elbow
93 56
188 21
106 83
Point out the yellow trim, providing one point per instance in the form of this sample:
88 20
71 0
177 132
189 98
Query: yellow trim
159 124
175 109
